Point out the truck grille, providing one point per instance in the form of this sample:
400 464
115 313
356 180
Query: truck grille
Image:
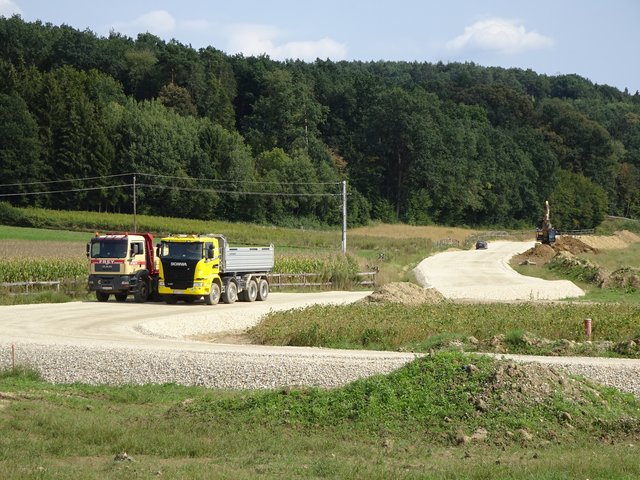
178 274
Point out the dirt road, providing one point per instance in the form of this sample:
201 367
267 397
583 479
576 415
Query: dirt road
485 275
146 325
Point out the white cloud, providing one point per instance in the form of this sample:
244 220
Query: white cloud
253 39
158 22
499 35
9 8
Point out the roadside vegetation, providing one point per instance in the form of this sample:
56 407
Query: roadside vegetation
526 328
441 416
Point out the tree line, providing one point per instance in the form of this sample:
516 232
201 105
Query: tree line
418 142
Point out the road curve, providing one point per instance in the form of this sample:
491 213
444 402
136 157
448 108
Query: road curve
485 275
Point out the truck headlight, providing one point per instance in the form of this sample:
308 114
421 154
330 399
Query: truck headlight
198 284
161 283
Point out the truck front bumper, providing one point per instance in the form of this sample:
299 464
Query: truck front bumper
111 283
199 289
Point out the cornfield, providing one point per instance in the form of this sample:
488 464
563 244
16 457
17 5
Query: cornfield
41 269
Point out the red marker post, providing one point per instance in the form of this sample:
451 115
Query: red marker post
587 328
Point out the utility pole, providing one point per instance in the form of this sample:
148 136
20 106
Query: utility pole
135 226
344 216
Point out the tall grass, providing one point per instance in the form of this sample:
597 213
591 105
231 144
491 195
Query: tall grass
396 326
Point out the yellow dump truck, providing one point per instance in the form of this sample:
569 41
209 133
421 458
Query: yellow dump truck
196 266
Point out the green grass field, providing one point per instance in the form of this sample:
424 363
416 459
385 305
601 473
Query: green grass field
434 418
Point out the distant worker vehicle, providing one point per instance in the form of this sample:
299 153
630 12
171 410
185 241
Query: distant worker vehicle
546 234
481 245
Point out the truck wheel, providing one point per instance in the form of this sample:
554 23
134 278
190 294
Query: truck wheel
251 292
121 297
102 296
170 299
230 294
263 290
214 295
142 292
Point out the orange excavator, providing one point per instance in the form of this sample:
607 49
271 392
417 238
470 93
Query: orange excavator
547 234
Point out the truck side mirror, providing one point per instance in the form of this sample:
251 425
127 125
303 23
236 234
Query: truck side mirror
210 251
88 250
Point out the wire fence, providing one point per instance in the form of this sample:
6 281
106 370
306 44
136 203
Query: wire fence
276 280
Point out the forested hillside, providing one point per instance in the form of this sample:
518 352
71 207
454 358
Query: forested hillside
206 133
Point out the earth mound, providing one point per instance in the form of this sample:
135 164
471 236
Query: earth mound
517 385
541 253
619 240
538 254
572 245
406 293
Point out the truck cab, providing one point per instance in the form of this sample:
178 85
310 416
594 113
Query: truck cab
122 264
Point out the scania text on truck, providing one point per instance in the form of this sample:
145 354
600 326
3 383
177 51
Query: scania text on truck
196 266
122 264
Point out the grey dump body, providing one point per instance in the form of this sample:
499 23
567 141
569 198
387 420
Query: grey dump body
244 259
247 259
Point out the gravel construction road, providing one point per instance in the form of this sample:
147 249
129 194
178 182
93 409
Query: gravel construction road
485 275
129 343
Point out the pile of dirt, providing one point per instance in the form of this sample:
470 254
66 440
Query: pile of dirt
572 245
619 240
625 277
406 293
518 385
539 254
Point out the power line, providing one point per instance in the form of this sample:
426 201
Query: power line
188 189
45 192
243 182
65 180
272 194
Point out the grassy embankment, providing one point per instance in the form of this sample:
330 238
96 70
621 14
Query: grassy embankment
444 416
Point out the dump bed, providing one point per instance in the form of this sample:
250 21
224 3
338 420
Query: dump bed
247 259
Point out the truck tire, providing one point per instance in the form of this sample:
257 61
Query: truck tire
263 290
102 296
120 297
170 299
214 294
251 292
230 294
142 292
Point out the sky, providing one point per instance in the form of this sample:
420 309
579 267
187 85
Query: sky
596 39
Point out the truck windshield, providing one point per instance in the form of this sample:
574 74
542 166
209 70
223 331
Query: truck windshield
181 250
109 248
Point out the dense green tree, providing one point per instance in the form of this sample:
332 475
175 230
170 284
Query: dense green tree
178 99
576 202
453 143
20 162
